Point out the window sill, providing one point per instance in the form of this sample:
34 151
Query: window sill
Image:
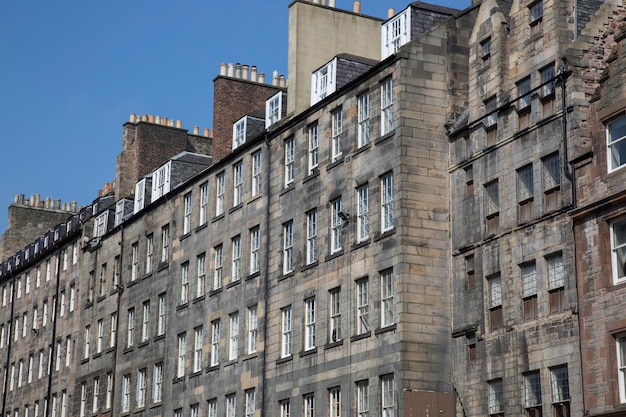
285 276
162 266
156 405
360 336
110 349
385 137
254 198
284 360
198 299
337 162
334 255
184 236
201 227
235 208
97 355
231 362
114 291
84 360
385 234
308 352
159 337
233 284
182 306
361 244
128 349
391 327
178 379
212 368
132 283
253 275
309 266
100 298
314 174
195 374
333 344
218 217
288 188
148 275
89 304
215 291
362 149
142 344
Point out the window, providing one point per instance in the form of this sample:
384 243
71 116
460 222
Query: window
311 237
234 337
529 290
83 399
492 206
3 336
309 405
212 408
162 314
386 106
396 32
20 378
556 282
204 203
220 181
215 342
182 351
31 364
68 350
24 324
334 402
272 109
289 161
285 408
288 247
536 13
309 324
140 399
187 207
618 250
40 366
532 394
313 147
100 224
250 407
113 330
197 349
336 130
145 324
200 274
490 111
19 288
12 384
523 90
217 267
336 238
161 182
119 213
362 306
87 340
551 182
63 403
140 194
125 393
130 338
237 184
334 329
469 271
362 398
184 284
363 133
616 143
157 382
134 249
547 80
496 398
102 280
256 173
388 402
35 320
620 343
100 336
165 243
253 328
386 201
386 297
255 247
149 252
195 410
363 223
48 270
559 381
323 81
236 259
239 132
57 362
285 350
178 412
231 404
495 301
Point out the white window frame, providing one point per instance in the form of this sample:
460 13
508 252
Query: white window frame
334 402
309 324
113 329
197 349
313 142
290 147
336 225
395 33
311 237
286 339
523 96
96 395
212 408
233 348
157 382
386 202
273 107
235 272
130 335
134 262
100 338
200 274
239 132
181 355
362 398
87 337
140 399
204 203
149 252
387 390
165 243
336 134
140 196
220 190
363 120
620 346
255 250
253 328
386 298
250 406
145 325
363 224
618 250
218 263
215 342
616 143
386 106
288 247
125 400
231 405
187 211
100 225
161 181
237 184
161 321
323 81
309 405
334 329
119 216
184 284
257 170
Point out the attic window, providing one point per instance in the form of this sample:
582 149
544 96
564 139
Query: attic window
239 133
273 108
140 194
323 81
161 181
536 15
485 49
396 32
119 212
100 226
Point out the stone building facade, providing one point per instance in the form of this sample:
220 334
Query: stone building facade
414 241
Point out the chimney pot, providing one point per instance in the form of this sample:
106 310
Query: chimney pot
331 3
16 199
357 7
144 118
223 68
57 204
37 199
164 121
230 70
31 202
157 120
195 130
179 124
151 118
262 77
237 70
74 206
133 117
206 132
244 72
275 78
390 13
282 81
48 201
253 73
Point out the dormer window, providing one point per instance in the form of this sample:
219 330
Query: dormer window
100 226
485 49
395 33
161 181
140 194
239 133
536 15
273 108
119 212
323 81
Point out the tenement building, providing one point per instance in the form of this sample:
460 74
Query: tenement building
426 219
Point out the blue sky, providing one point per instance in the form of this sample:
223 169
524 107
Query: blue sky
72 72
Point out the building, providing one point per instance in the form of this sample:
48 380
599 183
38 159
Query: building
414 231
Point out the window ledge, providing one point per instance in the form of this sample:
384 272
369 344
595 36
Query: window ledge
182 306
114 291
360 336
154 405
254 198
215 291
128 349
385 137
337 162
308 352
231 362
391 327
84 360
148 275
334 255
314 174
218 217
162 266
89 304
178 379
385 234
309 266
110 349
235 208
97 355
253 275
362 149
198 299
212 368
130 284
159 337
285 276
361 244
288 188
233 284
250 356
283 360
195 374
100 298
142 344
333 344
201 227
185 236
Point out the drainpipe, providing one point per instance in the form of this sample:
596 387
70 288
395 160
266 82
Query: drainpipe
562 75
266 273
120 289
9 343
54 331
